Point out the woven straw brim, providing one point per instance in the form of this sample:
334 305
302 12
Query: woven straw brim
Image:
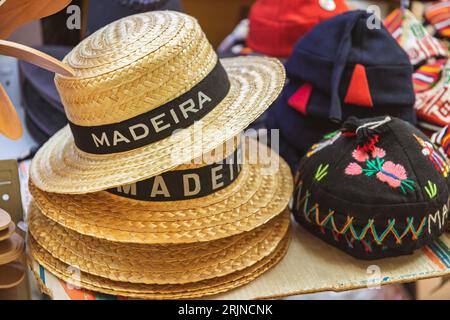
249 202
157 264
149 291
62 168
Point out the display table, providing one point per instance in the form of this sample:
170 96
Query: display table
310 266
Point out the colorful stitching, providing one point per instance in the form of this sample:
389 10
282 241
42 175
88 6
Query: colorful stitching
321 172
431 189
386 171
330 138
312 215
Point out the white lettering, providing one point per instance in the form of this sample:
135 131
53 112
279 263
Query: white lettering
104 139
138 126
157 124
196 180
186 106
215 177
174 116
127 189
434 218
118 137
159 187
202 98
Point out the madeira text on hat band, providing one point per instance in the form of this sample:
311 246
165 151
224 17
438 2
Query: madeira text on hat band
185 184
158 123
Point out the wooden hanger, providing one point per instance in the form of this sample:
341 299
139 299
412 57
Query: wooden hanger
36 57
10 125
14 13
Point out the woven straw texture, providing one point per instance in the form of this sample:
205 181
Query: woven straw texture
135 65
142 291
250 201
157 264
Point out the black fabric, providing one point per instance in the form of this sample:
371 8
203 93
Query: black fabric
43 80
297 132
119 137
40 99
36 133
324 178
99 14
103 12
328 66
55 30
326 58
185 184
44 115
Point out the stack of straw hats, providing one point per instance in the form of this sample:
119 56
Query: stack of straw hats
12 247
149 191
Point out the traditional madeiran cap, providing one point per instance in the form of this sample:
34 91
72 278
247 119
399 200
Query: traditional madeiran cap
138 81
226 194
375 189
359 71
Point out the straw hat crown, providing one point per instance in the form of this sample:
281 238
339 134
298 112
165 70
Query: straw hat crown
134 65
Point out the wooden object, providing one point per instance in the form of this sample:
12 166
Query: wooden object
5 219
14 13
11 275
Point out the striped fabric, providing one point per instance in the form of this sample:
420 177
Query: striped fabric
442 140
432 106
412 36
438 15
431 75
426 76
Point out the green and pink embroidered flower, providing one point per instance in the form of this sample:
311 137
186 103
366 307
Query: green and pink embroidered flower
386 171
393 174
353 169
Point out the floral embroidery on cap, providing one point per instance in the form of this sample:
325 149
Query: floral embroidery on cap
393 174
385 171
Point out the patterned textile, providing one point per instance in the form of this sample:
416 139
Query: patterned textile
413 37
438 15
433 106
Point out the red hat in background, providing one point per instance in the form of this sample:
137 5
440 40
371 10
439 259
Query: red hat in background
276 25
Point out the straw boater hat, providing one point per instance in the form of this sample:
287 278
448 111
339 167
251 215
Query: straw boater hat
139 80
157 264
211 198
221 217
153 291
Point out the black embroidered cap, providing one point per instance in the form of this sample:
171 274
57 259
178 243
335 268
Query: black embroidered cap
376 188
